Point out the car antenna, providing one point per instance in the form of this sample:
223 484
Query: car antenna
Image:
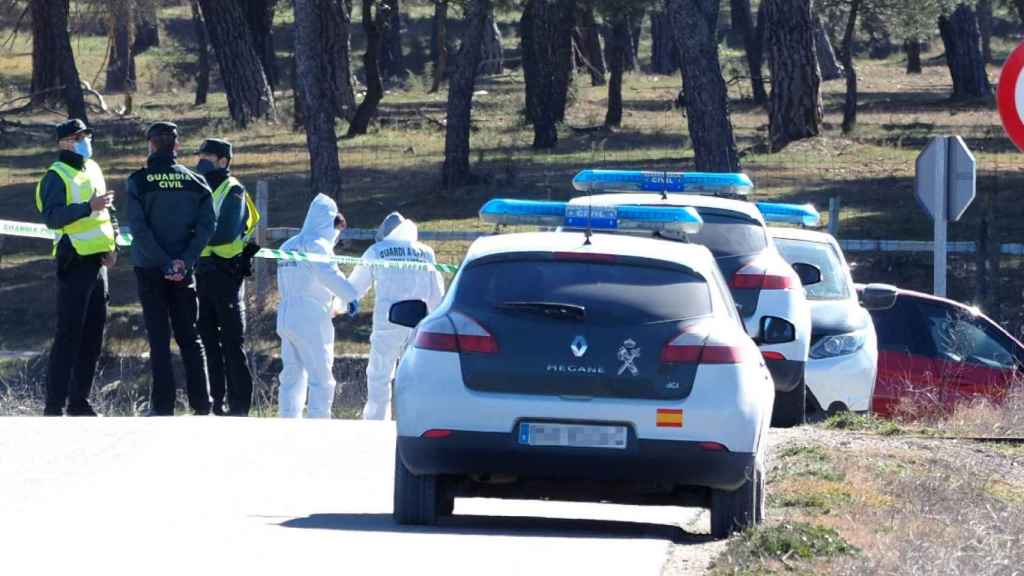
590 215
664 185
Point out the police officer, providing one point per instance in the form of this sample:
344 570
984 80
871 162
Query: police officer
221 280
72 197
170 210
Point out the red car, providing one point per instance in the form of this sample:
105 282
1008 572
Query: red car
934 353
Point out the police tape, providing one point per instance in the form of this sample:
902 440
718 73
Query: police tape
40 231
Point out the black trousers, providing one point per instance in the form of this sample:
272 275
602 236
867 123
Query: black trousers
81 317
170 305
222 329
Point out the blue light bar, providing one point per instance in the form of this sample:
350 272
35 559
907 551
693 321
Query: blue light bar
581 216
802 214
651 181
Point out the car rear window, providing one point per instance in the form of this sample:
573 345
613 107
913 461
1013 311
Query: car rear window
611 293
834 283
727 233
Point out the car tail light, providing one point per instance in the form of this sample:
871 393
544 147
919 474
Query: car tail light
585 257
770 355
693 347
436 433
455 332
713 447
755 276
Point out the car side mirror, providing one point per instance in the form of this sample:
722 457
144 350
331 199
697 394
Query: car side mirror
809 274
407 313
878 297
776 331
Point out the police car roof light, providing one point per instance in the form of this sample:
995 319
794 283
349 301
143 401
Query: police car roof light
710 183
581 216
801 214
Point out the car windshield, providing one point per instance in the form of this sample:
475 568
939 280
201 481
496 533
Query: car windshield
604 293
834 283
727 233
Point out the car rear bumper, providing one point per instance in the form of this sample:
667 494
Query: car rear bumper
785 373
489 453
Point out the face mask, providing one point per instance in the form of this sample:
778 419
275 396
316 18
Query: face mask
205 166
83 148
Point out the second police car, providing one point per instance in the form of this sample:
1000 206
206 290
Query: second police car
583 366
767 290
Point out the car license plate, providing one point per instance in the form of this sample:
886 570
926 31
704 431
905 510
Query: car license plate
575 435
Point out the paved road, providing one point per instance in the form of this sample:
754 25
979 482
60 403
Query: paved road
246 496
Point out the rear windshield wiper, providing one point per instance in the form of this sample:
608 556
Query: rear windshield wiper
550 309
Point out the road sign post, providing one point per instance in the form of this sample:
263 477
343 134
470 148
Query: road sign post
944 185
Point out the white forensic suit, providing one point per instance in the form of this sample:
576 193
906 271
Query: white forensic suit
309 291
396 242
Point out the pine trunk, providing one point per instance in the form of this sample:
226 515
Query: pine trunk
203 46
743 23
590 44
618 45
828 64
439 44
962 39
636 21
392 63
336 45
794 107
664 56
707 100
147 27
245 83
455 171
372 27
1019 5
846 55
121 60
325 171
913 50
46 44
985 26
546 48
259 14
492 54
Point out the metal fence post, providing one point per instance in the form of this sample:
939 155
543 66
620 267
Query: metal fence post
833 216
262 267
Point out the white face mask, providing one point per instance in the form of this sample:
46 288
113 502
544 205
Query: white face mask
83 148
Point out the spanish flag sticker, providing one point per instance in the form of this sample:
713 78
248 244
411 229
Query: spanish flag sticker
669 418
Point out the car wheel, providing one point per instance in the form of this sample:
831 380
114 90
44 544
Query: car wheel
417 500
736 510
790 407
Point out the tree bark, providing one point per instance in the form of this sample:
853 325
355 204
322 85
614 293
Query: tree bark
636 27
121 60
335 43
372 27
913 50
50 29
1019 5
259 14
985 26
491 52
392 63
827 62
794 107
589 42
147 27
245 83
664 55
743 22
962 39
325 171
618 45
455 171
707 100
547 61
203 46
439 46
846 55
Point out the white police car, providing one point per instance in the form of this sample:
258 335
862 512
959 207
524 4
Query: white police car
767 290
843 361
582 367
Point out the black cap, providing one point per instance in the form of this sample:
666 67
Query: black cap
71 127
162 129
216 146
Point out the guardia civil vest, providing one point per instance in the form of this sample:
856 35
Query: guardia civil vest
235 247
93 234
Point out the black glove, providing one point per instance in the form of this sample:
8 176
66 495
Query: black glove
245 259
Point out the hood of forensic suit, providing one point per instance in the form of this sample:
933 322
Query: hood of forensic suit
318 228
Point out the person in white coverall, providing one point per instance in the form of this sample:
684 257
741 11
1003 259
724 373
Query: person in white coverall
397 241
311 293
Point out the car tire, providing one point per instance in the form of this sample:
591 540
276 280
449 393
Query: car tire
417 498
790 407
736 510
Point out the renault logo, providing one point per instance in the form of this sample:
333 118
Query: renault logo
579 346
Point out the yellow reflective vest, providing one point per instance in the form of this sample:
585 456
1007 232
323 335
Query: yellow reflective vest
93 234
235 247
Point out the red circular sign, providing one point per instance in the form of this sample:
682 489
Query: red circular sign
1010 96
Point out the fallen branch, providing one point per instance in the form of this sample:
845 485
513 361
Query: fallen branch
88 89
443 124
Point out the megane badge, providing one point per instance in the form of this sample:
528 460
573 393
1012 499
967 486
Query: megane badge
579 346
